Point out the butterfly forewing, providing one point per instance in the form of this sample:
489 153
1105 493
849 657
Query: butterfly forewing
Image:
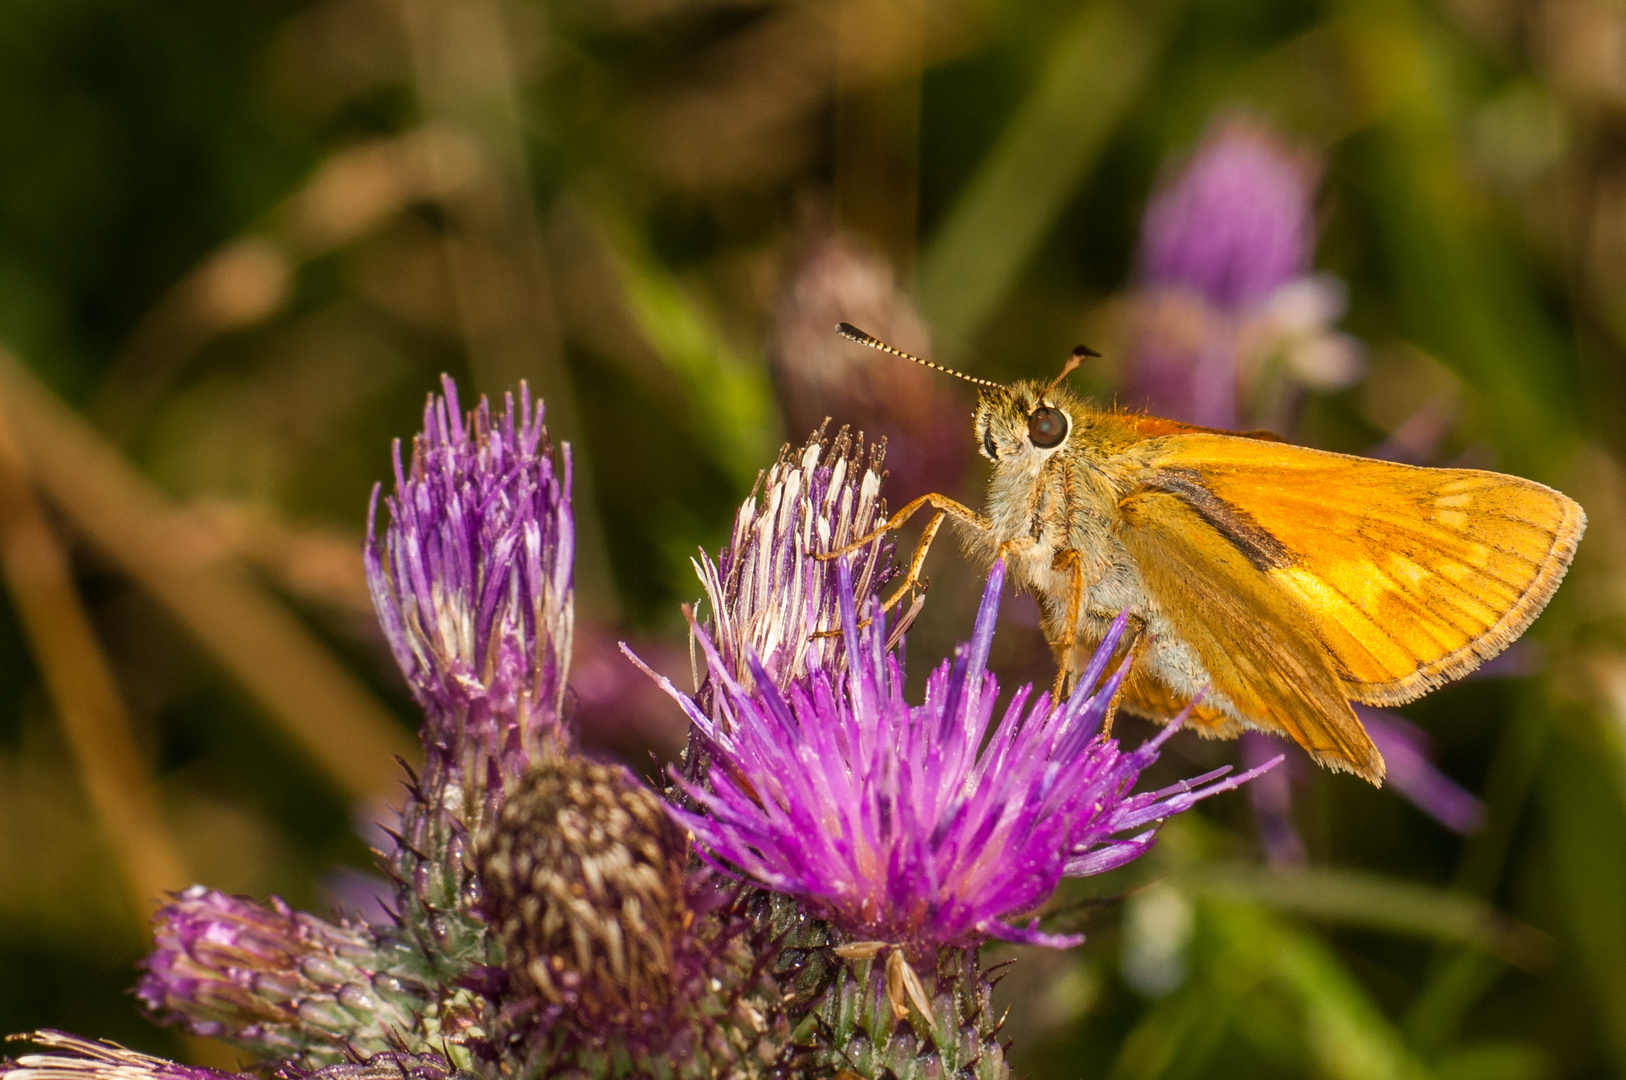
1410 576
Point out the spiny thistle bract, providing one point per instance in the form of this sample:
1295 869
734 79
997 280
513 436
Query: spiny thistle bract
553 918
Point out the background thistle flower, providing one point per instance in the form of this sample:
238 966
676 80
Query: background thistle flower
836 278
472 581
1236 223
275 981
1227 321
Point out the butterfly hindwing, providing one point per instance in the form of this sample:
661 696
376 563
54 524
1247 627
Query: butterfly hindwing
1254 640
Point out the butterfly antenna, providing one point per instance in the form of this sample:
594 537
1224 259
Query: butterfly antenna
1073 362
852 333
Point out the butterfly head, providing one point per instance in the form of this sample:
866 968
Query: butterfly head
1015 423
1025 421
1030 418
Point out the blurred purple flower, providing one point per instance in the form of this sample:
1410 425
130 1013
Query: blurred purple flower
1236 224
1272 800
76 1058
915 411
1407 751
272 979
921 826
1227 316
473 583
770 598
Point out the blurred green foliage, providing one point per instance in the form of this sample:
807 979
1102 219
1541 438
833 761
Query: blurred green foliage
244 238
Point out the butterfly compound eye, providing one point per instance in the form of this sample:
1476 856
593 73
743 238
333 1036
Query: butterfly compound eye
1047 427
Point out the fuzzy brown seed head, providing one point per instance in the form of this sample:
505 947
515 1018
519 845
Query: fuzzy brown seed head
583 875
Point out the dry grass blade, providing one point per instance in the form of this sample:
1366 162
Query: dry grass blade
83 690
250 279
903 986
335 720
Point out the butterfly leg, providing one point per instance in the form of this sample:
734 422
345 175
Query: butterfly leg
1068 558
913 580
944 506
942 503
917 559
1138 640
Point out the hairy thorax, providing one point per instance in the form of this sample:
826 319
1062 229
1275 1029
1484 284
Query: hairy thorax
1040 508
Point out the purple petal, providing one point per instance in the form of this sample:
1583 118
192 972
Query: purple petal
1405 750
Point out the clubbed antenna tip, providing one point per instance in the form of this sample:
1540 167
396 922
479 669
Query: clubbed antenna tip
1075 360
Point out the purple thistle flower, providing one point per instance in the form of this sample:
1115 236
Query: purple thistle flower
1236 224
271 979
771 599
77 1058
1227 309
896 821
473 583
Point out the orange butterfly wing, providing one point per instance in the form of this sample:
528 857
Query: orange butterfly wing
1410 577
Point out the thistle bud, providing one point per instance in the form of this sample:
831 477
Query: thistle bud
584 877
70 1057
272 980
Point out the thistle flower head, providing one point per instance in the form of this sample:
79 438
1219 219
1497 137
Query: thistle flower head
473 584
819 374
584 878
1227 310
271 979
1236 224
772 602
921 825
